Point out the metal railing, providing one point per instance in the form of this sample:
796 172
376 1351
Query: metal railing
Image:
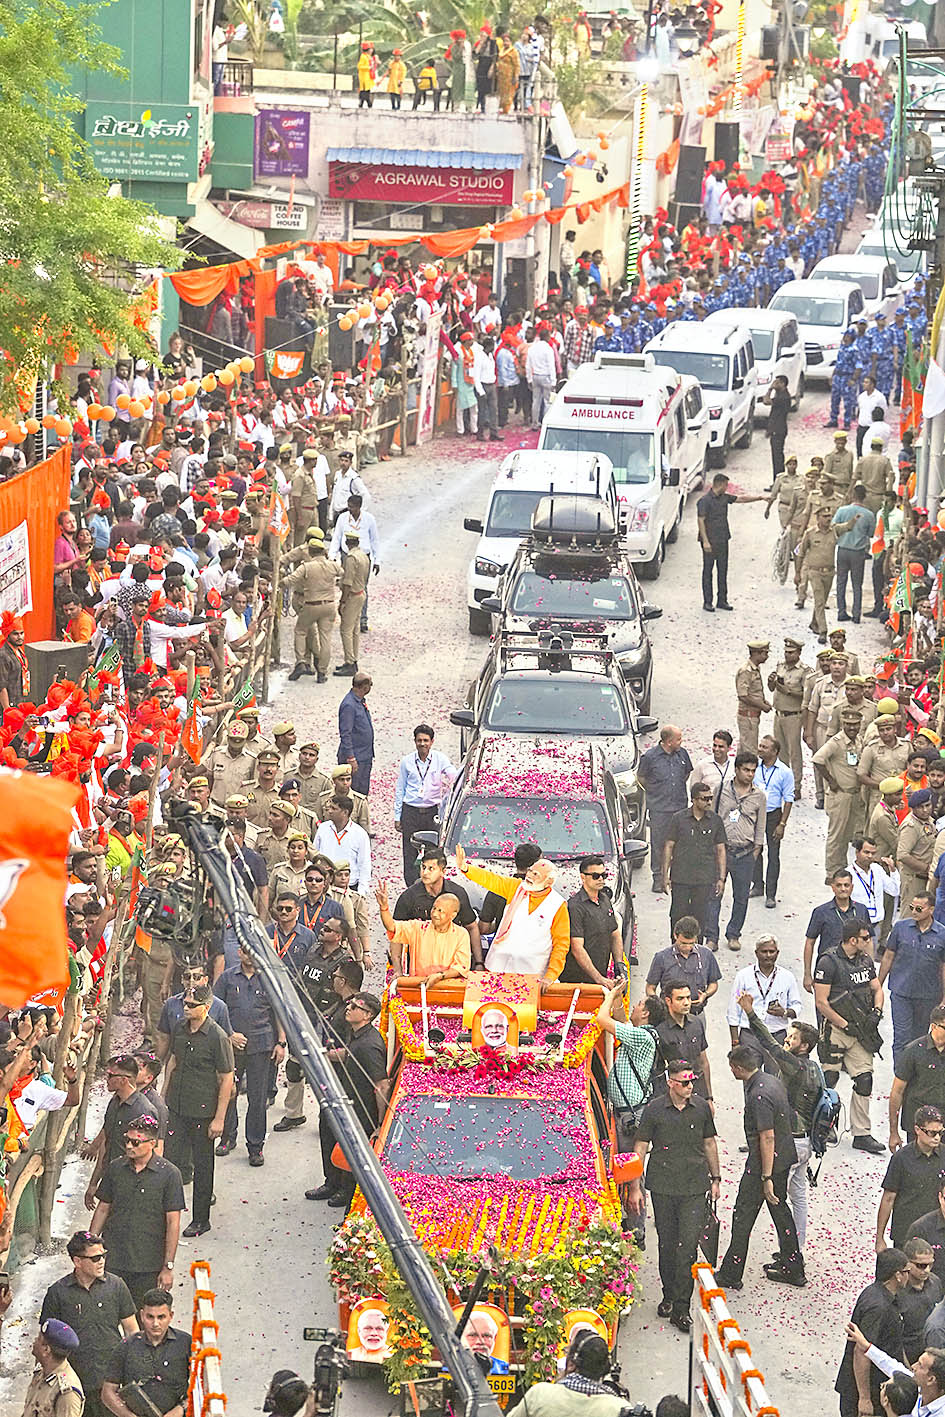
236 79
724 1380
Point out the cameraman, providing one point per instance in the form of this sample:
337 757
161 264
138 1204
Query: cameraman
849 999
288 1395
581 1388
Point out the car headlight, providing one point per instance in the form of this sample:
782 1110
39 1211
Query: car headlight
639 519
830 346
485 567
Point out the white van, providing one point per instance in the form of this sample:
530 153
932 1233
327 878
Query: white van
624 406
824 309
721 357
882 39
876 276
524 477
776 341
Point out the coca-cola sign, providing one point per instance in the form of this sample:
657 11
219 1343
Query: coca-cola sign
449 186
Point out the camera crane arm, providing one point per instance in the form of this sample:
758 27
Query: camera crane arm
475 1397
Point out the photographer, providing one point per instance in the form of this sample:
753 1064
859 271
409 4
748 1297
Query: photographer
288 1395
581 1390
849 999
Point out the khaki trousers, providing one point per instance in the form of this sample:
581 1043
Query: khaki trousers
748 727
856 1060
787 730
350 615
313 628
153 969
844 821
820 583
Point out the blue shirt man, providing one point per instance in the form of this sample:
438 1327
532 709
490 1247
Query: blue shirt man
914 962
859 536
356 733
664 772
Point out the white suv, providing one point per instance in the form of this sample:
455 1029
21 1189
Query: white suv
721 357
777 344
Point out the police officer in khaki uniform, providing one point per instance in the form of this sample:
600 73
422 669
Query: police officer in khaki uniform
341 788
313 783
837 640
788 491
230 768
839 761
853 696
838 464
265 790
256 740
750 690
236 807
915 845
824 694
786 684
875 471
884 757
272 842
304 496
317 581
54 1390
818 551
798 527
354 581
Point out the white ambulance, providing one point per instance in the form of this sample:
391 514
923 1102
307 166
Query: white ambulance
652 424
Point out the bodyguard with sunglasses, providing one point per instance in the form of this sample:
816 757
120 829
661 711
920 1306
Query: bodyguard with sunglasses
595 934
97 1306
199 1081
140 1200
910 1186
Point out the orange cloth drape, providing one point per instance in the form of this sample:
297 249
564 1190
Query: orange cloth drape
36 497
201 286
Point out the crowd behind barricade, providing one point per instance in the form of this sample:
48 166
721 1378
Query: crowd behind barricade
196 523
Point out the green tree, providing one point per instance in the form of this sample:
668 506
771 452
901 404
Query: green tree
71 252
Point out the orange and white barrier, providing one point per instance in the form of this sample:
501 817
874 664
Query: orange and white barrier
724 1379
205 1395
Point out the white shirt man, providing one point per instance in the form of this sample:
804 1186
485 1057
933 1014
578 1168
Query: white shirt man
871 884
865 403
540 367
351 844
778 987
489 318
366 526
321 278
347 482
483 368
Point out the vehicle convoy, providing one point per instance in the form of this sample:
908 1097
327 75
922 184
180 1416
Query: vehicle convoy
652 424
823 309
499 1145
523 479
572 573
877 277
777 346
722 358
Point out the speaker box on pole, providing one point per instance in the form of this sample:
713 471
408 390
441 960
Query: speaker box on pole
340 342
689 175
50 660
726 144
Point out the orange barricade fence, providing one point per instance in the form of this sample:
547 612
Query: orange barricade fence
205 1395
724 1379
36 497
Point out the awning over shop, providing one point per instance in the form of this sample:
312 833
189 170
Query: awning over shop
421 157
231 235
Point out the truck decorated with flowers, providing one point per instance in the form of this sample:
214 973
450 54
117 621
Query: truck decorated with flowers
499 1145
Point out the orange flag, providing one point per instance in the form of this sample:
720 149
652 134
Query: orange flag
35 821
191 738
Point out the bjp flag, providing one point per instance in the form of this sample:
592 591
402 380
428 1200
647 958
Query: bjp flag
35 821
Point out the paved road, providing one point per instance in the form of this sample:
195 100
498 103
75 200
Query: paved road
268 1244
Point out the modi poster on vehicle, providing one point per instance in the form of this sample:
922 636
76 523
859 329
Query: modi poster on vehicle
16 590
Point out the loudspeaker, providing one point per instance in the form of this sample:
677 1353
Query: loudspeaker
770 42
50 660
681 214
340 342
726 144
689 175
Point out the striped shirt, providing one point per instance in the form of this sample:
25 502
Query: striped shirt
637 1050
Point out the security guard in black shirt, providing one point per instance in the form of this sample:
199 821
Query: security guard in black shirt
153 1365
849 999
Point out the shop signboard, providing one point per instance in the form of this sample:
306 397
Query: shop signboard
450 186
157 143
281 146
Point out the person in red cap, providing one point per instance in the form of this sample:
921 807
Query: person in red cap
14 669
396 75
367 75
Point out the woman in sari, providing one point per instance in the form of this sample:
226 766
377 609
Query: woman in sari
507 72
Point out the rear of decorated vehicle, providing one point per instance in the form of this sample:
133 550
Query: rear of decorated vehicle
498 1144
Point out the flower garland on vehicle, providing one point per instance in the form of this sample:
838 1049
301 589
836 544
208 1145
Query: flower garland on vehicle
462 1056
594 1266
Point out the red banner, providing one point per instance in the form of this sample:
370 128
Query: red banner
450 186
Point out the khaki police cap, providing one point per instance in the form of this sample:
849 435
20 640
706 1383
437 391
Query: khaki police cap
758 644
851 713
237 729
281 805
268 755
281 728
341 770
199 782
314 533
310 744
236 799
792 643
341 866
856 679
248 713
310 454
297 836
890 784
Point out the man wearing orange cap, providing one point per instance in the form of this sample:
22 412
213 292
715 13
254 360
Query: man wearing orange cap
367 75
14 669
396 74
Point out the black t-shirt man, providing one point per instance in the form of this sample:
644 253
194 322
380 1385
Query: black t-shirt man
779 404
416 902
877 1315
712 510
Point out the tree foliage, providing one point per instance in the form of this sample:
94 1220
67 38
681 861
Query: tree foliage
69 250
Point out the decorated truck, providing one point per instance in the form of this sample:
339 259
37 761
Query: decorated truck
499 1145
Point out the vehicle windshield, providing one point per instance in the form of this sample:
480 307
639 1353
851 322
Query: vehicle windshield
523 1138
564 829
550 703
762 343
630 453
866 280
510 513
710 369
810 309
906 262
551 596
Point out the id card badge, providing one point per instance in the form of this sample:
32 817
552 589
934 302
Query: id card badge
734 814
853 759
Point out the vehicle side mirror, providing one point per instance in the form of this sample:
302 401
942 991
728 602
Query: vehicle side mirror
421 839
492 603
673 479
652 612
738 382
644 723
462 718
472 524
635 850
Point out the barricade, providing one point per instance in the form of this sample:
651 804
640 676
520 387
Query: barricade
205 1395
723 1379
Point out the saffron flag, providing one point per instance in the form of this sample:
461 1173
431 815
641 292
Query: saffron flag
191 737
278 517
933 394
35 821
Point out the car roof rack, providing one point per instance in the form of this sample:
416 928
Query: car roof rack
554 649
568 525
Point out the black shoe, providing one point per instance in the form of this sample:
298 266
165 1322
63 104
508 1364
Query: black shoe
297 672
306 670
743 1150
755 892
724 1282
195 1228
682 1321
322 678
798 605
770 901
709 608
225 1147
870 1144
346 669
657 887
256 1158
321 1193
664 1308
842 618
832 424
288 1124
338 1202
724 605
855 619
785 1276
